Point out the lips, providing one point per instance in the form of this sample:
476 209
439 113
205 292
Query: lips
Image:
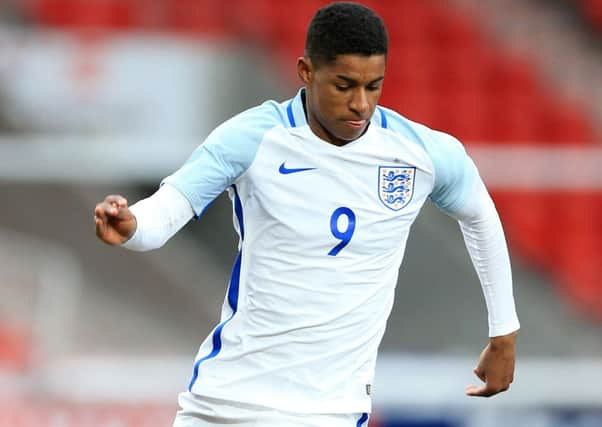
358 124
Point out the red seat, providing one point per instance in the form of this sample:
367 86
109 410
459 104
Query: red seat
415 104
512 118
512 74
85 13
450 29
593 11
560 231
461 113
15 349
452 70
192 16
565 124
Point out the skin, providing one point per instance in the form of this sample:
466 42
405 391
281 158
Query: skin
495 367
341 97
114 221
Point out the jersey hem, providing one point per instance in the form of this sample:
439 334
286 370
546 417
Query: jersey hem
294 405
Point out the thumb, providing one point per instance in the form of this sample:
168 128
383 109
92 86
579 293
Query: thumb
474 390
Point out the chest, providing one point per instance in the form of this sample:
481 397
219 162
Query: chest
358 198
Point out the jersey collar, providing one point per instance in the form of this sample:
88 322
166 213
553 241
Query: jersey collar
295 113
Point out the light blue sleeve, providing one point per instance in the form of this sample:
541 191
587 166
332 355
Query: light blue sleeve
226 154
455 172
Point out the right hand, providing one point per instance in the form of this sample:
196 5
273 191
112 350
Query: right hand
115 223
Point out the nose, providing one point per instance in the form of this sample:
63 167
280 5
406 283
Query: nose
359 102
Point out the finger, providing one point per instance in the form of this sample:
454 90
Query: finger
480 374
486 390
100 211
115 198
107 209
113 202
120 204
473 390
479 391
100 227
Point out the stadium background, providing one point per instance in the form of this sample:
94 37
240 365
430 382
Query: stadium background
109 96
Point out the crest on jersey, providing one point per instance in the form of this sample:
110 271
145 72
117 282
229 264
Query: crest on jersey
396 185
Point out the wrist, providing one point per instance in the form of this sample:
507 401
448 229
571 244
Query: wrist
503 341
132 238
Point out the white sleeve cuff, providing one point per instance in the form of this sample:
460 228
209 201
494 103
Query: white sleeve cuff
158 218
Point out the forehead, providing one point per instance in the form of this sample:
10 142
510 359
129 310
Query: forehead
357 67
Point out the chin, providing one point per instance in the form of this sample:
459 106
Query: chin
351 135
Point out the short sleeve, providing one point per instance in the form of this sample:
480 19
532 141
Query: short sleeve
455 172
225 155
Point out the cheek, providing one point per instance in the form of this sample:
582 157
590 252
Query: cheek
328 106
336 102
375 96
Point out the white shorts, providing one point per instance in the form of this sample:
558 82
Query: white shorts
201 411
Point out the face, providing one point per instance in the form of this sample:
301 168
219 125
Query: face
342 95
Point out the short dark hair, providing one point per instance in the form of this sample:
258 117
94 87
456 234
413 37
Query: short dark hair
345 28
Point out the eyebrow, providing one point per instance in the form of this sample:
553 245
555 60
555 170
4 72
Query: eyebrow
353 81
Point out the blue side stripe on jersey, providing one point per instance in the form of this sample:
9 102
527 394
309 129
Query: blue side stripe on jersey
362 420
217 333
232 296
289 111
238 210
234 282
383 118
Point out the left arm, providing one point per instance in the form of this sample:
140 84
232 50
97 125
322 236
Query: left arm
484 238
459 191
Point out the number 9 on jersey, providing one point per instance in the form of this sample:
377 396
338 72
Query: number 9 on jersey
343 235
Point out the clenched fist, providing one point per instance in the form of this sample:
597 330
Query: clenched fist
115 223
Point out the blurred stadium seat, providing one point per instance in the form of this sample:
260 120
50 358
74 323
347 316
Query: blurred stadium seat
433 47
15 349
592 9
21 413
559 232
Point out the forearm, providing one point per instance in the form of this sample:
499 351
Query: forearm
158 218
486 244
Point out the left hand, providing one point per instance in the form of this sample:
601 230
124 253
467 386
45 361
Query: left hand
495 367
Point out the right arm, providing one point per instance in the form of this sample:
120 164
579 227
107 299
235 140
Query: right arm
145 225
226 153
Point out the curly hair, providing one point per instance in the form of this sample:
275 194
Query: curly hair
345 28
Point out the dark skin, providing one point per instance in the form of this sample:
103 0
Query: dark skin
342 95
341 98
114 221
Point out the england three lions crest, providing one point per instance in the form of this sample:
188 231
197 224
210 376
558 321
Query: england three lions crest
396 185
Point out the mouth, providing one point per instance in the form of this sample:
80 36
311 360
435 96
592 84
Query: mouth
356 124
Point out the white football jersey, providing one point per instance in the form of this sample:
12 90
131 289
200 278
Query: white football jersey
322 233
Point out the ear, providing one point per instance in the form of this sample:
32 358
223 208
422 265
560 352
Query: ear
305 69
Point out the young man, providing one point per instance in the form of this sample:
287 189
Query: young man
324 187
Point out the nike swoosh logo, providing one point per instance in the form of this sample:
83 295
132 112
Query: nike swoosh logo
284 170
